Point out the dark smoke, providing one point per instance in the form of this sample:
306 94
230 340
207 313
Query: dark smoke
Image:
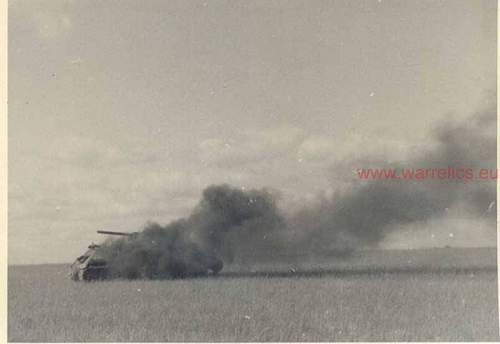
225 220
229 222
367 211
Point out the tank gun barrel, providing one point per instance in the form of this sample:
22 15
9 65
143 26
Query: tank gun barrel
115 233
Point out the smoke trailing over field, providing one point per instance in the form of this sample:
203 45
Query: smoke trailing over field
229 222
370 209
226 220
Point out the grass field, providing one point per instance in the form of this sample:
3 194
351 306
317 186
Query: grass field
439 294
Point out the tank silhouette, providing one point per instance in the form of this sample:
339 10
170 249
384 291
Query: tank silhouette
92 265
89 266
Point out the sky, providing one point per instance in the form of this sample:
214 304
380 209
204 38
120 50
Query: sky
122 112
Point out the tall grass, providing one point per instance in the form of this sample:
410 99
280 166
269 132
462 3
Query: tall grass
452 305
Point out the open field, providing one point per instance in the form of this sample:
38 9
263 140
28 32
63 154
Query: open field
440 294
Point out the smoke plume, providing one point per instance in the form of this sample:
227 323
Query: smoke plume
368 210
229 222
225 220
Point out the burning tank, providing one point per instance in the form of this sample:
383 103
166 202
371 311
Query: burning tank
94 264
89 266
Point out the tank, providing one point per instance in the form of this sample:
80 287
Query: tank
89 266
92 266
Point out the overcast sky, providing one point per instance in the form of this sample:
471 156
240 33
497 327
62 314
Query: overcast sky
121 112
